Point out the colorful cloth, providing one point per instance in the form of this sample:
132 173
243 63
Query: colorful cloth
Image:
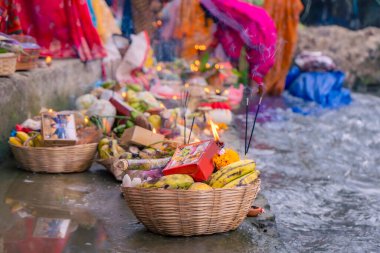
106 24
63 28
285 13
9 21
243 24
192 27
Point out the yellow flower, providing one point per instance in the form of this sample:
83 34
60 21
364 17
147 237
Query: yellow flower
229 156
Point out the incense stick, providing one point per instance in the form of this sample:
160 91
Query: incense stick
191 130
254 123
185 102
246 126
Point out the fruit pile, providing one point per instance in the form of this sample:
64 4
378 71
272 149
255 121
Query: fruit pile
21 138
237 174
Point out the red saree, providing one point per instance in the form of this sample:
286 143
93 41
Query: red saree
63 28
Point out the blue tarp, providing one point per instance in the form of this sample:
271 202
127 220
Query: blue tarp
324 88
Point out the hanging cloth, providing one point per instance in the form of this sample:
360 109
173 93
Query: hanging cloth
285 14
243 24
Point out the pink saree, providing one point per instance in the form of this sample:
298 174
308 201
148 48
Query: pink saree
243 24
63 28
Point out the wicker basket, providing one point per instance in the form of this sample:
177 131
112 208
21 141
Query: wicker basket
67 159
189 213
7 64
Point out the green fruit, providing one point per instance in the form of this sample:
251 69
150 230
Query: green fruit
134 87
134 115
130 123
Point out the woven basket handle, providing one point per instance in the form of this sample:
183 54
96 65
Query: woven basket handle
26 143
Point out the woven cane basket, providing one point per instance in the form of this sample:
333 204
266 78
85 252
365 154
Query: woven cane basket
66 159
7 64
190 213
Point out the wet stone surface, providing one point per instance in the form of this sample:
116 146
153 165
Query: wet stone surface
100 220
321 173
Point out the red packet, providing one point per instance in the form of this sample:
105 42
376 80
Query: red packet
193 159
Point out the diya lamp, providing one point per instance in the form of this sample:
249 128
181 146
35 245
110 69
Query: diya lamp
48 61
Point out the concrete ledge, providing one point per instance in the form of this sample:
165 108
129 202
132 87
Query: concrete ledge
24 93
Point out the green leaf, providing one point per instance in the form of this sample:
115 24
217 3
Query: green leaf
203 61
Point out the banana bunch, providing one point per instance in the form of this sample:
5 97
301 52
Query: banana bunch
22 137
235 174
109 148
175 181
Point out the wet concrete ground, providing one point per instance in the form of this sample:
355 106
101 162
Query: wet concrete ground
100 220
320 174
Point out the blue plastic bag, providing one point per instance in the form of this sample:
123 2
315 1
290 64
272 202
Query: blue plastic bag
324 88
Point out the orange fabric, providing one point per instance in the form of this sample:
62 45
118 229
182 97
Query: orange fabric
285 14
192 27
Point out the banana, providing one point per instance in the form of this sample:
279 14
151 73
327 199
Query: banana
102 142
232 174
175 181
15 141
244 180
38 141
104 152
227 168
112 145
22 136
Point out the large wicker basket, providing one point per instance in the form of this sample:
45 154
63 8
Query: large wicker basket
7 64
189 213
67 159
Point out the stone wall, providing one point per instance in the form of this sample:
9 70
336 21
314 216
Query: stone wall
24 93
355 52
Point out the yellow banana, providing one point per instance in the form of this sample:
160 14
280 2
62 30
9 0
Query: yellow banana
38 141
244 180
113 145
175 181
104 152
227 168
102 142
22 136
233 174
15 141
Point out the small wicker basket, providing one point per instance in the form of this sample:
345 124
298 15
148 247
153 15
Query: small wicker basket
7 64
190 213
66 159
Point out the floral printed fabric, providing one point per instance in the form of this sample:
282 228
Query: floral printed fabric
9 21
63 28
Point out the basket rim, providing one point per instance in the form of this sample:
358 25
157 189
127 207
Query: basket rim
52 148
8 55
257 181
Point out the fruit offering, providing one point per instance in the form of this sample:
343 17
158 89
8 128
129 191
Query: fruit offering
237 174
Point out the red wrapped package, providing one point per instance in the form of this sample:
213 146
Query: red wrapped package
193 159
